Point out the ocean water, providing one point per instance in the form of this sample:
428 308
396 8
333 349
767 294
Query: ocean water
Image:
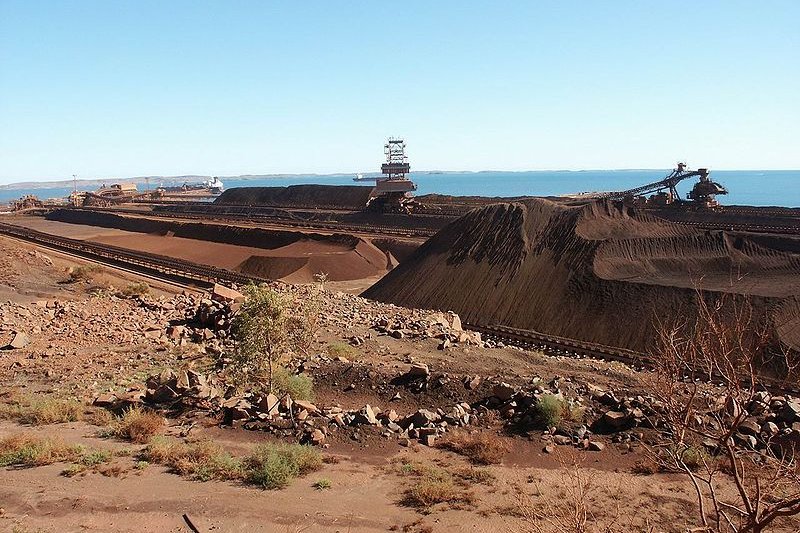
745 187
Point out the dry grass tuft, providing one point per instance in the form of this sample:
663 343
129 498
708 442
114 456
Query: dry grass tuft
37 412
481 447
200 461
434 485
133 290
342 349
28 450
97 416
137 425
83 272
429 492
271 466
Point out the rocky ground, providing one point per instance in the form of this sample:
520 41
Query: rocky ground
392 387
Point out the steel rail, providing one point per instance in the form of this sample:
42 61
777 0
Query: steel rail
151 263
530 339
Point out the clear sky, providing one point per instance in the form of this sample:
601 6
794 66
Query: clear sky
132 88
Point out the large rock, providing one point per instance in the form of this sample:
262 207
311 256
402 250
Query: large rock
791 411
750 426
421 418
456 322
307 406
20 340
614 420
269 404
503 391
221 293
418 370
366 416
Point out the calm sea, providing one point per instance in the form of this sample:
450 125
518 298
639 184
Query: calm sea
746 187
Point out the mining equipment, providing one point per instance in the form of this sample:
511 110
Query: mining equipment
28 201
665 192
393 189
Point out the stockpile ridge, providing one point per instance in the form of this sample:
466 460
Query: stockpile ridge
599 272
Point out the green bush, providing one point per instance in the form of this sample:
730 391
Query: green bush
298 386
267 331
547 412
322 484
82 272
135 289
273 466
341 349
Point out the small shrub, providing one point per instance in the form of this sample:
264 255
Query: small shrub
73 470
475 475
99 417
273 466
82 272
135 289
694 457
322 484
548 411
137 425
96 457
573 412
298 386
141 465
481 447
341 349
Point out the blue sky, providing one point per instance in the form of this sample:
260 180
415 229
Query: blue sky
131 88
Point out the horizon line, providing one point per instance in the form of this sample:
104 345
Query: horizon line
345 173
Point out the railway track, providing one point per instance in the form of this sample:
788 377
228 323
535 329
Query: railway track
748 228
150 264
555 345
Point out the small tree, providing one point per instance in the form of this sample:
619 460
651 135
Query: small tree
738 489
267 332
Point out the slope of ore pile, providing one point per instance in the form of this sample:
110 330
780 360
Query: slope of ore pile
581 272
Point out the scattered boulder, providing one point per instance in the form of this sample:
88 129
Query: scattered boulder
417 371
614 420
595 446
105 400
503 391
20 340
222 293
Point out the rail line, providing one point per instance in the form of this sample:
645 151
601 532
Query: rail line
552 344
749 228
150 264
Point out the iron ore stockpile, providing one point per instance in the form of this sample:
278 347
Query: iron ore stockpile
292 256
600 272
